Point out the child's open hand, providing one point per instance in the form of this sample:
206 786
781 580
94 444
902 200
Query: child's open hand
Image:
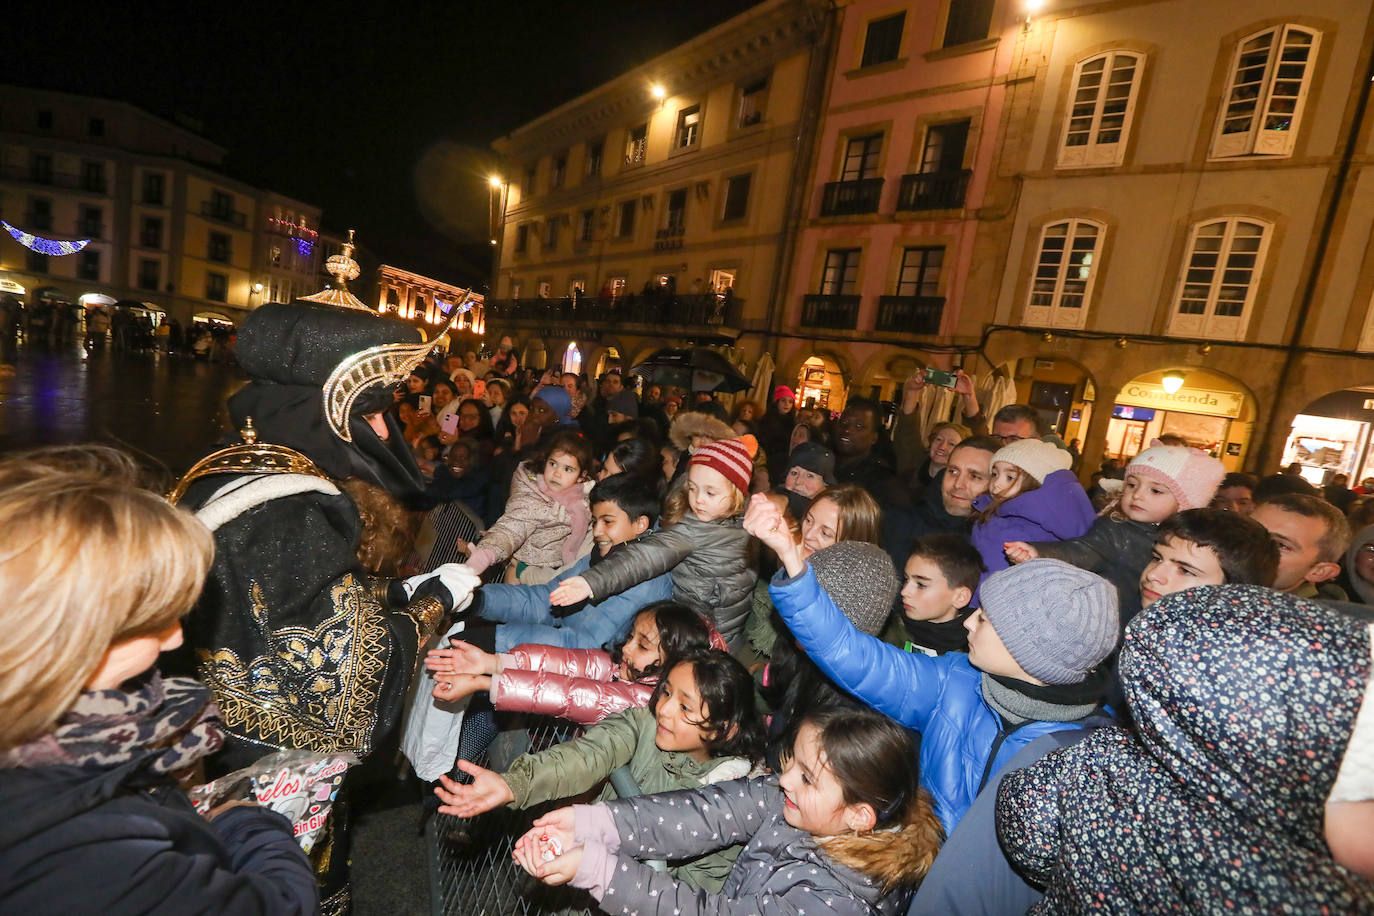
1019 551
463 658
487 790
453 687
570 591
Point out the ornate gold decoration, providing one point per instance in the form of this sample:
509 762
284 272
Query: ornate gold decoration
247 458
342 268
314 689
383 364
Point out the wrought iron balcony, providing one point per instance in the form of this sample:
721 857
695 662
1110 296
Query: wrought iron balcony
842 198
700 309
910 314
838 313
933 190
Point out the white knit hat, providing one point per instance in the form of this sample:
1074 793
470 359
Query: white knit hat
1038 459
1191 474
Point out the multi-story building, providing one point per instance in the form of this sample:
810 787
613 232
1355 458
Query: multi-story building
162 225
427 301
1176 236
908 136
654 209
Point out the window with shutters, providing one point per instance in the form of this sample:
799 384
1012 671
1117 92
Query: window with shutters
1221 271
1101 104
1266 90
1066 264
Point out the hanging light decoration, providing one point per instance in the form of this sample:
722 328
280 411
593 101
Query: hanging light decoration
50 247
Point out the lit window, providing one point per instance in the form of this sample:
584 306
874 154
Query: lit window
636 144
1065 265
1217 285
1101 103
1269 78
688 127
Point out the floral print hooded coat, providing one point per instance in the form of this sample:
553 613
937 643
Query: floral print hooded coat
1245 699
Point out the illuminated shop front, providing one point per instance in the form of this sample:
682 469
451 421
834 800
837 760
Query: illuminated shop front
1207 410
1332 436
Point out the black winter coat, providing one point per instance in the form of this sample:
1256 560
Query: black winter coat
1118 551
125 840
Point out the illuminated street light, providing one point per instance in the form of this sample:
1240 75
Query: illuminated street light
495 181
1173 380
658 92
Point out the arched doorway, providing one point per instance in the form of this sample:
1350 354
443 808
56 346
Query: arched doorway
1061 390
820 383
1333 435
534 356
610 359
213 319
1208 410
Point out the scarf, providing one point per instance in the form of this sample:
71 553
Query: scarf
174 722
574 501
1019 701
940 638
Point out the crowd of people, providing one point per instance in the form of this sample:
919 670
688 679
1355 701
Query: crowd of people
842 664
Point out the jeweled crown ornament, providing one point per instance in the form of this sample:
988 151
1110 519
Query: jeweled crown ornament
342 268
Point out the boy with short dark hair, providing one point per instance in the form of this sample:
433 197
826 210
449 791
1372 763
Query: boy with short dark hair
942 570
1208 547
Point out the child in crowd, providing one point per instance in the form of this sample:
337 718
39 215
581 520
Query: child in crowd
547 522
1160 481
1208 547
941 573
1034 665
1032 496
1255 726
581 685
843 831
702 545
700 727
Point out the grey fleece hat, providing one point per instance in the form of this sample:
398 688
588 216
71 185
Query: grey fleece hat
859 578
1057 621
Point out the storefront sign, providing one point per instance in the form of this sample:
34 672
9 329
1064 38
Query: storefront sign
1190 400
9 286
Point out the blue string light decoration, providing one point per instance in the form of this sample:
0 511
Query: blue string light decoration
50 247
304 247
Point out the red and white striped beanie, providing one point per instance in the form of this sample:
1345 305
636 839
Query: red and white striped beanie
734 458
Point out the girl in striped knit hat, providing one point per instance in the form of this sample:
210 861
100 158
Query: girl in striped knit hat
702 544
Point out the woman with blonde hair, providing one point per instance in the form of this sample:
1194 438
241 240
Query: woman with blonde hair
96 746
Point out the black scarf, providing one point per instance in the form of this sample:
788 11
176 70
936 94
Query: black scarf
941 638
1092 689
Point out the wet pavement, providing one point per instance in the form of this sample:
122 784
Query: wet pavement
170 411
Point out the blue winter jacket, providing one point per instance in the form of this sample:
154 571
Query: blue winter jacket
963 741
525 615
1059 509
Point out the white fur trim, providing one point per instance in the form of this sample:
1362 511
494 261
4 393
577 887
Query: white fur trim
244 493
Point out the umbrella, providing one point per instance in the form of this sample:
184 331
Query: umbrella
693 368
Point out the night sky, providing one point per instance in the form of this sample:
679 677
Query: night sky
382 118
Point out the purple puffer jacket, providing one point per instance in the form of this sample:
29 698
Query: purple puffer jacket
579 685
1058 510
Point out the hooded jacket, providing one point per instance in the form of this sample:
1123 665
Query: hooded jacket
1244 701
709 563
1058 509
781 870
126 840
626 739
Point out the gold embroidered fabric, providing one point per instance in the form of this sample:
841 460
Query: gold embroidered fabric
315 689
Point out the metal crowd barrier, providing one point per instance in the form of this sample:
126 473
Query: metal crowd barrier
470 866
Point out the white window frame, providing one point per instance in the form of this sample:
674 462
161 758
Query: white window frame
1056 314
1096 153
1207 323
687 134
1272 89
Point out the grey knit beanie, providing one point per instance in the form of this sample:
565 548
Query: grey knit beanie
859 578
1057 621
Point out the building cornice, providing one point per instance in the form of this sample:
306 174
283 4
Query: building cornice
731 50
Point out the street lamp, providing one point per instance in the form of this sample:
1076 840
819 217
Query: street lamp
658 92
1172 381
498 195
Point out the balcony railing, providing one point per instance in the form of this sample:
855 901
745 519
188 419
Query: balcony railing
910 314
933 190
232 217
847 197
701 309
838 313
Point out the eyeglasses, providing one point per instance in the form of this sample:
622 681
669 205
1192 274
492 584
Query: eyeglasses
1008 440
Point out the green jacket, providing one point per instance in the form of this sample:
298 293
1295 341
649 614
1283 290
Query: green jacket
626 738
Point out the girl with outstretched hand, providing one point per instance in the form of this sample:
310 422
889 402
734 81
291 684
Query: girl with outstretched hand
844 830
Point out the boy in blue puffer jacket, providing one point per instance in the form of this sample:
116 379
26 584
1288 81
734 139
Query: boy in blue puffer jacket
1034 666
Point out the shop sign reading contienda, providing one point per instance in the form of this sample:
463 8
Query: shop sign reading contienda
1189 400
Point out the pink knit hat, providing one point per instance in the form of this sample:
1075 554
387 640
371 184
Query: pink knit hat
734 458
782 391
1191 474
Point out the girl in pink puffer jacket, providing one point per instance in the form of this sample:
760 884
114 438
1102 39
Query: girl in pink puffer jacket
581 685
